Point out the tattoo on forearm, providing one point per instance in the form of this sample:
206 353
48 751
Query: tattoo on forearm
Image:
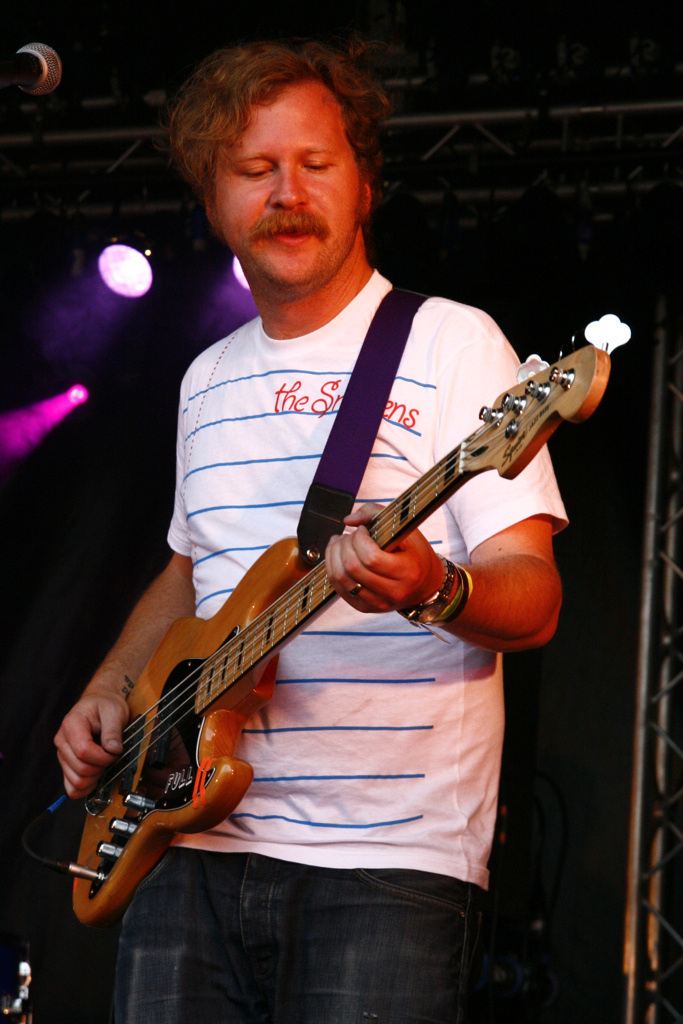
125 690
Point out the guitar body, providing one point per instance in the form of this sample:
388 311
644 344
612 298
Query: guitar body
186 768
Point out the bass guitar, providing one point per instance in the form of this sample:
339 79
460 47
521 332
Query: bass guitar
177 772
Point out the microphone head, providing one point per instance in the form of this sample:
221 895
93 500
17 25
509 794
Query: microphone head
51 65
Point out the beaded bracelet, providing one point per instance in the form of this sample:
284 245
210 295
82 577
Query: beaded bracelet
460 598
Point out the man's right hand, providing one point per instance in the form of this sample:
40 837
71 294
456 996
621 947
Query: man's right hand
90 739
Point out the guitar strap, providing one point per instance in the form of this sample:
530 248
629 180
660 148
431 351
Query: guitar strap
343 461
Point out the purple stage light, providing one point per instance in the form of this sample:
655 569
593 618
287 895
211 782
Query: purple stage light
239 273
22 430
125 270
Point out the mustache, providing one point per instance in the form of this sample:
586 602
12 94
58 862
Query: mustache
278 223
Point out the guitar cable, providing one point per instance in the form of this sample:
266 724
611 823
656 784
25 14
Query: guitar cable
64 867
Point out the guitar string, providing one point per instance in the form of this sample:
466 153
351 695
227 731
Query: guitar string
383 521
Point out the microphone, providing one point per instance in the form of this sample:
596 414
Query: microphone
35 68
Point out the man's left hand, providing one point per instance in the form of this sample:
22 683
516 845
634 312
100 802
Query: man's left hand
373 580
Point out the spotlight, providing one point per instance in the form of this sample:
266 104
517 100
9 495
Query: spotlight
22 430
239 273
125 270
77 394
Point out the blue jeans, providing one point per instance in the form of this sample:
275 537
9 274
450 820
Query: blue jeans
245 939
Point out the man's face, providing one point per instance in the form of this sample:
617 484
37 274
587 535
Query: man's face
289 199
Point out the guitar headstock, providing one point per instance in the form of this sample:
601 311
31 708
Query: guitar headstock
522 419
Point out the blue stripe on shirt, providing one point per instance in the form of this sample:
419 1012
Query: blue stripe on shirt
342 728
216 593
387 682
257 416
416 634
286 458
325 824
285 412
222 508
270 373
328 778
225 551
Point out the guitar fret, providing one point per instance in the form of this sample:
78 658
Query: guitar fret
254 632
284 619
449 469
230 668
211 682
202 688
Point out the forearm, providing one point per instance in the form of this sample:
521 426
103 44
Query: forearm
514 604
169 597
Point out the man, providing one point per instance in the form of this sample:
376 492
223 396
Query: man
343 887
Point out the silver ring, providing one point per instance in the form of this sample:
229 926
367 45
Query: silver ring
355 591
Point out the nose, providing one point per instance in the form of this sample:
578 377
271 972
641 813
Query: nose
289 190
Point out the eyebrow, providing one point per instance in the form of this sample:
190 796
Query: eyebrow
258 155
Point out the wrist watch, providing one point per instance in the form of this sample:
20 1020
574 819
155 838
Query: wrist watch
431 610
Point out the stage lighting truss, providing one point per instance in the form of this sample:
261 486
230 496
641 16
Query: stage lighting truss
653 948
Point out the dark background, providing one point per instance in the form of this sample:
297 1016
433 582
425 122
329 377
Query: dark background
546 238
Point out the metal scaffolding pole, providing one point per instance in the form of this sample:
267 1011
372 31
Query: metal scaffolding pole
653 947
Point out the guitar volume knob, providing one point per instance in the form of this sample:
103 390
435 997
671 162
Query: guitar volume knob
139 802
122 827
111 850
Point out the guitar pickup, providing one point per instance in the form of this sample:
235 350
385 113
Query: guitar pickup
160 742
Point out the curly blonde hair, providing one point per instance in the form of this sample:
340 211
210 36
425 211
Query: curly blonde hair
213 107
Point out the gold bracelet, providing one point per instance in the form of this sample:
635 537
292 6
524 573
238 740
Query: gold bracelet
460 598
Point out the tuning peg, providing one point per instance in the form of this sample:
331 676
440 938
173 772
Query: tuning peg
608 332
533 365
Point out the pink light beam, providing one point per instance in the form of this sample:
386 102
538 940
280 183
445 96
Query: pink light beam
22 430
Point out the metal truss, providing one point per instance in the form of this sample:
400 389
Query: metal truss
653 948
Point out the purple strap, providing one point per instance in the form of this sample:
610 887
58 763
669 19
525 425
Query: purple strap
342 464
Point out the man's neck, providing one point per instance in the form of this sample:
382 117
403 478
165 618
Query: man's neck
291 316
